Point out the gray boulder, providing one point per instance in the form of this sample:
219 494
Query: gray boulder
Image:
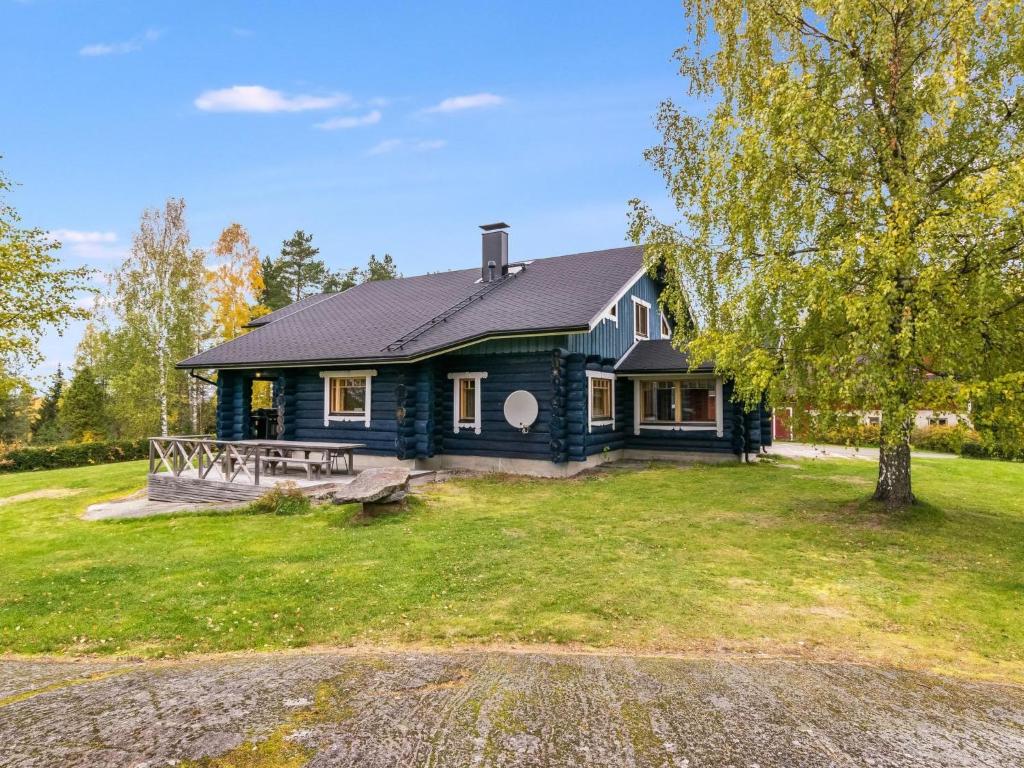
382 484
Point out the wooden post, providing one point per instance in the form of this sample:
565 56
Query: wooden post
259 452
151 456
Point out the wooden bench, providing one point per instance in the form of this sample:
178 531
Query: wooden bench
321 465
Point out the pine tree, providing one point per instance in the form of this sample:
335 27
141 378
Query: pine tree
46 427
83 413
303 272
341 281
380 269
276 292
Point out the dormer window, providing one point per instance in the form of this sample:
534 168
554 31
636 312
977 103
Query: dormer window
666 330
641 319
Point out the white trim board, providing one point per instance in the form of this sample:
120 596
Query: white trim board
618 295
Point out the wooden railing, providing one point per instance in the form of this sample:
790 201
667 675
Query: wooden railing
178 453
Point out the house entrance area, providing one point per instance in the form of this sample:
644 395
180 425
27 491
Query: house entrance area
265 416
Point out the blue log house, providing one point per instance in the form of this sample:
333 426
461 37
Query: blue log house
545 367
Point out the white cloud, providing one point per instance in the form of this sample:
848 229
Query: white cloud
88 245
78 236
256 98
87 301
127 46
417 145
355 121
429 144
386 146
472 101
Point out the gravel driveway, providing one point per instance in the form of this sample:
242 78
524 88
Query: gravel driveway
864 452
499 709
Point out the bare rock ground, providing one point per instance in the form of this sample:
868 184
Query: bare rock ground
489 708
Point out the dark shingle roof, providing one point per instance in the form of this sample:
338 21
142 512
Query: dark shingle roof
657 356
563 293
291 309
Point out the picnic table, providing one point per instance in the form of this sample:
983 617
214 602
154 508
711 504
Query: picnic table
330 451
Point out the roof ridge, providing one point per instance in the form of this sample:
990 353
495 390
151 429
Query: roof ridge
260 322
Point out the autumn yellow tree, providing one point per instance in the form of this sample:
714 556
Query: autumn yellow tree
235 282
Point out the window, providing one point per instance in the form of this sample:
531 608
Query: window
938 421
874 420
666 329
641 318
674 403
347 396
466 401
602 398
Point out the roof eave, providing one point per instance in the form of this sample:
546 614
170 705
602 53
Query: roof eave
381 360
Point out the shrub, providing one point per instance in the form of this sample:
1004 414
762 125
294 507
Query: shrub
26 458
944 439
283 499
852 433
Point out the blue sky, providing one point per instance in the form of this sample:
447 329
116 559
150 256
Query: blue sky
379 127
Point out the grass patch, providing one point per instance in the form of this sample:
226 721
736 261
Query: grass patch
750 558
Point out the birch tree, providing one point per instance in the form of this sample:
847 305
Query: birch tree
160 293
850 189
36 293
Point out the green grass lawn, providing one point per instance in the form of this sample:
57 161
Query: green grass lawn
757 558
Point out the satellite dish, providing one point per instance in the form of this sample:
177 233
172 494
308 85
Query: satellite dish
521 409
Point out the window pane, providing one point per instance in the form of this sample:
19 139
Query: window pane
647 401
665 401
348 396
641 317
601 399
699 400
467 400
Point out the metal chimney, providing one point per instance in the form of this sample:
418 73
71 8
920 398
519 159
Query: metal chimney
494 262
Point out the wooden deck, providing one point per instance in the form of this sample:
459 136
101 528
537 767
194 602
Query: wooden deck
188 486
199 468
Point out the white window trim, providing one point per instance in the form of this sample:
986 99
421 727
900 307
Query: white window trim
364 417
636 335
718 427
591 422
477 376
666 329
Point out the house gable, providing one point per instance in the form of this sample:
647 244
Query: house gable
613 332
